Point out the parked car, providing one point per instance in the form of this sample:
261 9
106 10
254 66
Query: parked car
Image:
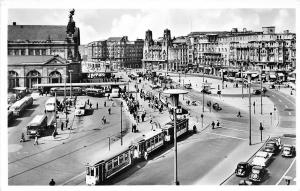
271 147
258 174
277 141
194 103
216 107
288 151
243 169
262 159
206 91
256 92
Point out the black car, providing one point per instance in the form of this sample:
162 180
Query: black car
256 92
206 91
258 174
216 107
288 151
243 169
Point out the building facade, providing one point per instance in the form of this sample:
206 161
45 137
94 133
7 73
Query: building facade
117 50
224 53
43 54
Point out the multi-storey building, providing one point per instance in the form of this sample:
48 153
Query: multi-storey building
43 54
121 52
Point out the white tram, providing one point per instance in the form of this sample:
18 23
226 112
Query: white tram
147 143
18 107
110 164
182 126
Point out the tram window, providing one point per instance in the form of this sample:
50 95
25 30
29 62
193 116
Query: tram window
87 171
126 157
109 165
121 157
148 143
115 161
160 137
97 171
156 139
92 171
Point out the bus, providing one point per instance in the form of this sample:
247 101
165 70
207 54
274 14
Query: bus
80 108
18 107
50 104
61 91
20 92
94 92
115 92
37 125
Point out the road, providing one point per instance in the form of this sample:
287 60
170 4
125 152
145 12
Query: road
28 163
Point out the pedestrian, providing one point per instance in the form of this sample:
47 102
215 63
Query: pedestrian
54 134
104 103
150 119
91 105
213 125
62 126
52 182
143 117
109 110
97 105
239 114
36 140
132 127
218 124
138 118
195 129
88 101
67 121
22 137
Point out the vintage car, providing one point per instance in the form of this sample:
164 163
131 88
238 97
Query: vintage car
206 91
243 169
262 159
187 86
288 151
272 147
258 174
216 107
256 92
277 141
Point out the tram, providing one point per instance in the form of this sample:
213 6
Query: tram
76 91
182 126
113 162
94 92
109 165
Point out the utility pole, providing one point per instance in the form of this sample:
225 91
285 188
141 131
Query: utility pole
70 71
261 92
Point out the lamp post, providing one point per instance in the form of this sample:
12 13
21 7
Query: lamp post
249 94
242 81
121 124
70 71
261 92
174 93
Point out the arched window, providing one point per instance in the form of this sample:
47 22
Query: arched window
13 79
55 77
33 77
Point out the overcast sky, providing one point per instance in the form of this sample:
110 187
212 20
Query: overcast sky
98 24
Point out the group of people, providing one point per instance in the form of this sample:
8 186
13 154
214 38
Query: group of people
217 125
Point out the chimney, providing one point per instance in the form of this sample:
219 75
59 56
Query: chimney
14 23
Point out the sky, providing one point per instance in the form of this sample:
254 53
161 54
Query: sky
99 24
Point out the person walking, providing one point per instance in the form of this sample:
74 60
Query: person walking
62 126
22 137
109 110
239 114
91 105
218 124
213 125
104 103
97 105
36 140
67 121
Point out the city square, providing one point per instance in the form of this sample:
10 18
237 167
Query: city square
210 107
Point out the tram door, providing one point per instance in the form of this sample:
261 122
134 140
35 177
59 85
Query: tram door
100 171
142 147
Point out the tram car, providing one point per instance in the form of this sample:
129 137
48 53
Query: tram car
182 126
148 143
110 164
115 161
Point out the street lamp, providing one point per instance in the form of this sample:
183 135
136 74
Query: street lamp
248 73
121 124
70 71
174 93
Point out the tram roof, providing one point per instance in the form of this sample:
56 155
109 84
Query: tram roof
148 135
114 151
80 84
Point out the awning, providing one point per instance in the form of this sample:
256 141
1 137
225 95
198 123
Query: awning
280 74
272 76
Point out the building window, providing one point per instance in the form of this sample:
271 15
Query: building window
30 52
43 51
22 52
16 52
10 52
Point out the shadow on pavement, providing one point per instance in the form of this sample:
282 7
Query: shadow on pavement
14 122
89 112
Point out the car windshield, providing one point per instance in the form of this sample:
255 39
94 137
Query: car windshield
270 144
241 166
287 149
